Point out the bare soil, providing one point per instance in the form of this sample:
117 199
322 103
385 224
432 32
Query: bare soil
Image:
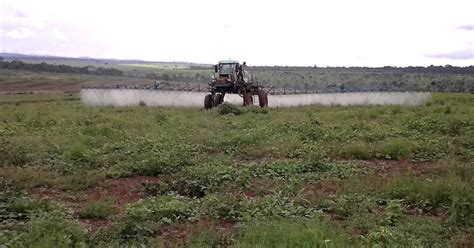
387 168
121 191
180 234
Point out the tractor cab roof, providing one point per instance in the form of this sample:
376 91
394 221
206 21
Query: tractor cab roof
229 62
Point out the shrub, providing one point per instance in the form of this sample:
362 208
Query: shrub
228 108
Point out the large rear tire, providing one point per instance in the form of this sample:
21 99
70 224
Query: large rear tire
208 101
262 98
248 99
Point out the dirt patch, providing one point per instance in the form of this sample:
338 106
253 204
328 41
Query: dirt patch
325 186
387 168
250 194
45 193
95 225
318 191
121 191
180 234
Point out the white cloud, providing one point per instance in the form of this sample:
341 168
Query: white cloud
58 35
298 32
467 27
20 33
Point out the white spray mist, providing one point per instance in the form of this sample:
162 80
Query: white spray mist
133 97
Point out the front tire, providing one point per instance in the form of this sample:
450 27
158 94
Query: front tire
218 99
262 98
248 99
208 101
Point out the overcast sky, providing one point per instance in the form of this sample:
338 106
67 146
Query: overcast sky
296 32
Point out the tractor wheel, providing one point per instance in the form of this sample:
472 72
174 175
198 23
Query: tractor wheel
222 99
262 98
218 99
208 101
248 99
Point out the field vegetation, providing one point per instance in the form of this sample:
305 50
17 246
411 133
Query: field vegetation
19 81
312 78
313 176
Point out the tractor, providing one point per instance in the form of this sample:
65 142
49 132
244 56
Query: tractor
230 77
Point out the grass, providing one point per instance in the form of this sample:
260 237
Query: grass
297 177
52 230
98 210
293 233
26 82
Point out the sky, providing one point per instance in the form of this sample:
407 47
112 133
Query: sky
294 33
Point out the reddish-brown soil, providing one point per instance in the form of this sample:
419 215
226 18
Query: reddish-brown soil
325 186
121 191
250 194
391 167
179 234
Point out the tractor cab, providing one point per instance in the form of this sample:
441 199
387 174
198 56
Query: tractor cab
226 71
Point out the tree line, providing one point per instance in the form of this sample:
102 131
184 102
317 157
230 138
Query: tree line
45 67
447 69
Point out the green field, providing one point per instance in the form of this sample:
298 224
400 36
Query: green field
380 176
322 79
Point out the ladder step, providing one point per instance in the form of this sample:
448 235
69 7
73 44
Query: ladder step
255 99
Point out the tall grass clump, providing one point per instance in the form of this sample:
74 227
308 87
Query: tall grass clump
98 210
395 150
292 233
357 151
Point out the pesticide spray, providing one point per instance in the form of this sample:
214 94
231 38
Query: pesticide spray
135 97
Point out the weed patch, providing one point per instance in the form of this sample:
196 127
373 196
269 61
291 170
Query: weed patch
292 233
98 210
228 108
